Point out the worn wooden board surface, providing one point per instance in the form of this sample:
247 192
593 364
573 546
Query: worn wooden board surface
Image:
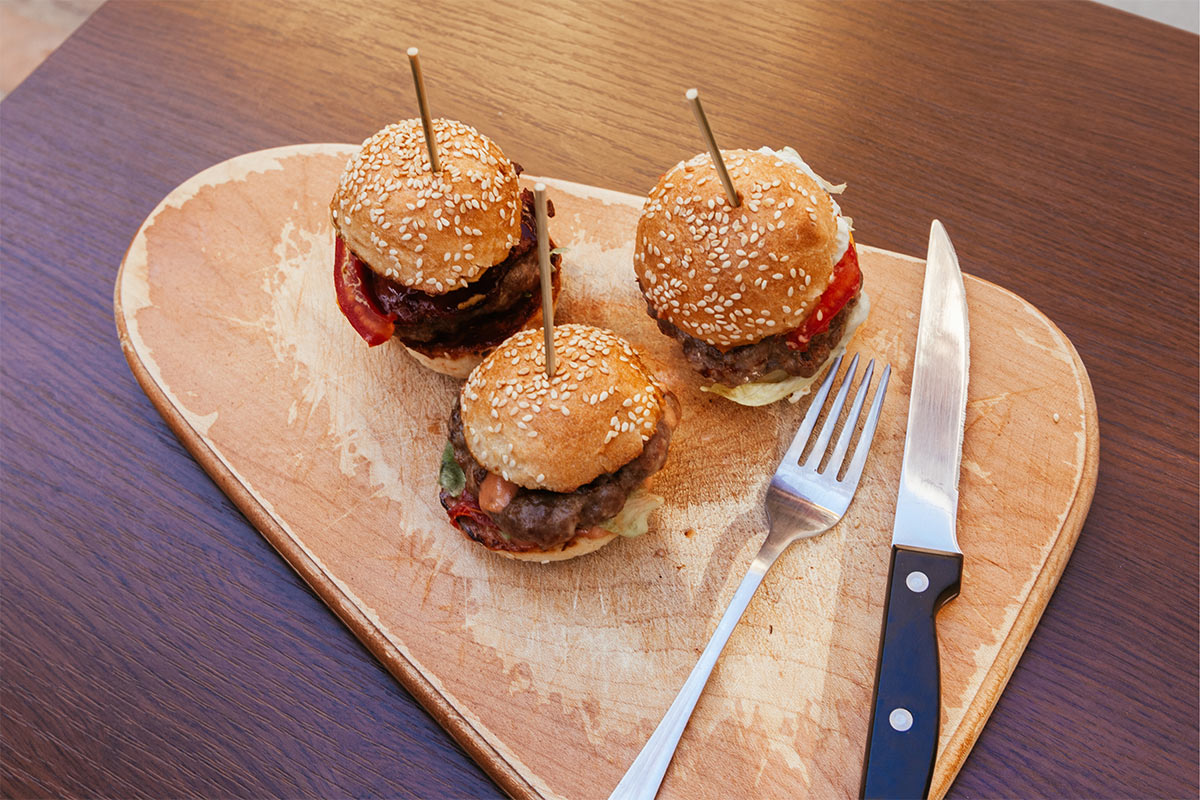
553 676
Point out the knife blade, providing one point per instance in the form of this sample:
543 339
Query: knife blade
926 562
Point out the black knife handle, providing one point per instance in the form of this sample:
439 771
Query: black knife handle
906 714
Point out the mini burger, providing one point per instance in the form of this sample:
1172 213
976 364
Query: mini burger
444 261
760 295
545 469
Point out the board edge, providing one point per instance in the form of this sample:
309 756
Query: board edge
507 778
1037 601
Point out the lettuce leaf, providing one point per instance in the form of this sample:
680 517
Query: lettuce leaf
450 476
765 392
778 385
790 154
632 519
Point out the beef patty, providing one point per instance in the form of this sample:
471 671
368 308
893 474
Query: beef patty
537 519
753 362
481 314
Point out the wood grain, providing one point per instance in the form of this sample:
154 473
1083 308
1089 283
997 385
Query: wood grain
332 449
154 645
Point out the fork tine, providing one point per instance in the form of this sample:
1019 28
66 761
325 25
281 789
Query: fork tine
843 442
792 456
835 411
854 472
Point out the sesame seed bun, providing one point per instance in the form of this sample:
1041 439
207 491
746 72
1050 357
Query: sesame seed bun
560 433
432 231
734 276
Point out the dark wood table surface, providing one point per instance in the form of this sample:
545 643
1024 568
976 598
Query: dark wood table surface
155 645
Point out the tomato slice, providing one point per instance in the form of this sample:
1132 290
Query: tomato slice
846 281
350 282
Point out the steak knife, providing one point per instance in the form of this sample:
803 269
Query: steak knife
926 562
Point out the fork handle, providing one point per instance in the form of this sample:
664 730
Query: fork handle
645 775
902 738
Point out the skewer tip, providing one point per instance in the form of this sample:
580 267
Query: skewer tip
539 187
731 193
413 52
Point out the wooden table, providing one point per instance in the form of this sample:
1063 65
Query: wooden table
155 645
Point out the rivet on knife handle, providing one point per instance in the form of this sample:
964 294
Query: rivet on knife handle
902 738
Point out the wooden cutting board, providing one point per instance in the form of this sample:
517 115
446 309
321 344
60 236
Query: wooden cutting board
553 676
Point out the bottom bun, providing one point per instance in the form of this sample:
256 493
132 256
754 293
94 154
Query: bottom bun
454 366
579 546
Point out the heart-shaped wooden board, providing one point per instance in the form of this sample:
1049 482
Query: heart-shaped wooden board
553 676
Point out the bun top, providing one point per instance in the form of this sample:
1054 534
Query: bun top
733 276
432 231
591 418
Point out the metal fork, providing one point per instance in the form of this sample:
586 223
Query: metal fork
802 501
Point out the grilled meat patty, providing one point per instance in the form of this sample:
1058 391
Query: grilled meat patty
753 362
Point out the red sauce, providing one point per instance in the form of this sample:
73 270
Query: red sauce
495 493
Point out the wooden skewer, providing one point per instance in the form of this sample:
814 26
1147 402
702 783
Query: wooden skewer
426 122
693 97
543 240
